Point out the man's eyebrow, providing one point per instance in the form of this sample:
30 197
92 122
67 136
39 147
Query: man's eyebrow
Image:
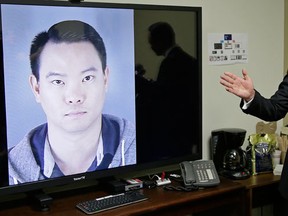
52 73
89 69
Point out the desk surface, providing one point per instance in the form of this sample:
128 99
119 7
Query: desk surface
260 180
160 202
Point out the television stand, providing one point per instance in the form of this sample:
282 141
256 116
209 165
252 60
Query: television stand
41 200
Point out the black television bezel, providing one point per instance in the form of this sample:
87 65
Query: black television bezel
55 182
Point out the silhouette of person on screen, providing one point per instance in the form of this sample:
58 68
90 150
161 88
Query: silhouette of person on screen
168 101
69 79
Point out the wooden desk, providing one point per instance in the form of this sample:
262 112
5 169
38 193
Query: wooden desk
227 198
261 190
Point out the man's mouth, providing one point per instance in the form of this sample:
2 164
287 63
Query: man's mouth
75 113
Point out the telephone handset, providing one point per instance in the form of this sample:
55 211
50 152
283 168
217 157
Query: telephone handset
201 173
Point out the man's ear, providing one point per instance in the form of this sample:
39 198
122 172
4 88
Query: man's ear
34 87
106 78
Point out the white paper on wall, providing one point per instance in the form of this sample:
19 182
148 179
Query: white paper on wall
227 48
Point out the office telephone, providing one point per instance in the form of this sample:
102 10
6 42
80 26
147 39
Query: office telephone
200 173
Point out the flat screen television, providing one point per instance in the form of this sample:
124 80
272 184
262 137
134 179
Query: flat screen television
146 121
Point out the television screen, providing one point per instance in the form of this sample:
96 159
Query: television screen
92 90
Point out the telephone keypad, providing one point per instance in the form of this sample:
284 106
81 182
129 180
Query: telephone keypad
204 170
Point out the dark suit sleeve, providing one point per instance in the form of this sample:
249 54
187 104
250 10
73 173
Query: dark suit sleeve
272 109
284 179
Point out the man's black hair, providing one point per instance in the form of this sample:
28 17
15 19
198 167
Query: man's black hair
70 31
162 32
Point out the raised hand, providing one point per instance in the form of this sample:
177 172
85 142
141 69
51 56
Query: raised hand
240 86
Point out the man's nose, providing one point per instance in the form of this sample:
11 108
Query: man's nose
74 95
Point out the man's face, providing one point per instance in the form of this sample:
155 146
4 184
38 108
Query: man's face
71 87
156 45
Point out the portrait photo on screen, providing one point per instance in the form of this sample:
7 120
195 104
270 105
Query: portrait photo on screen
69 90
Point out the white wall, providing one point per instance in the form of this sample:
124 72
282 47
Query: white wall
263 20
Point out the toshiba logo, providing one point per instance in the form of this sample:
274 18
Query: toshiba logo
79 178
